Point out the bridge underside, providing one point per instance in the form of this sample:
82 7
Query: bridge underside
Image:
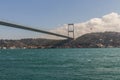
31 29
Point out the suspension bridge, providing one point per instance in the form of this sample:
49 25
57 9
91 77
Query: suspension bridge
14 25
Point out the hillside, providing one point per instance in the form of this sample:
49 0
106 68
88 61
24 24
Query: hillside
30 43
91 40
106 39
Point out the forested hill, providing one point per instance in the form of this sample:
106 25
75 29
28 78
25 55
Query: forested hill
105 39
91 40
30 43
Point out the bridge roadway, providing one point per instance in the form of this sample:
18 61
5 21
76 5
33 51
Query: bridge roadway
4 23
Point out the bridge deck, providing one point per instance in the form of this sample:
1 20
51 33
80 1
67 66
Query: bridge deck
31 29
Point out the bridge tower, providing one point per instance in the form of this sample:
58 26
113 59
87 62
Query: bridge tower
71 30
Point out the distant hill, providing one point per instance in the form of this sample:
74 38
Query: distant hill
106 39
91 40
31 43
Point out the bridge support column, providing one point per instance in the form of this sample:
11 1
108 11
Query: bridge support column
71 31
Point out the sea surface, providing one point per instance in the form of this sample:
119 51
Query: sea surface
60 64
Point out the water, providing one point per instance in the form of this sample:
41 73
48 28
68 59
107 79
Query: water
60 64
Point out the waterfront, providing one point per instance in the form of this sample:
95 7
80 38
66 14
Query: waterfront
60 64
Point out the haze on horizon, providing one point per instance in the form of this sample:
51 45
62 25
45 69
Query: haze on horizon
88 16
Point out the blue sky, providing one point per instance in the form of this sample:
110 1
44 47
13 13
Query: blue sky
49 14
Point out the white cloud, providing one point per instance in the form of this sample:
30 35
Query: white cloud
109 22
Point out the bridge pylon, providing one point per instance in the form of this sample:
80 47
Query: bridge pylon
71 31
